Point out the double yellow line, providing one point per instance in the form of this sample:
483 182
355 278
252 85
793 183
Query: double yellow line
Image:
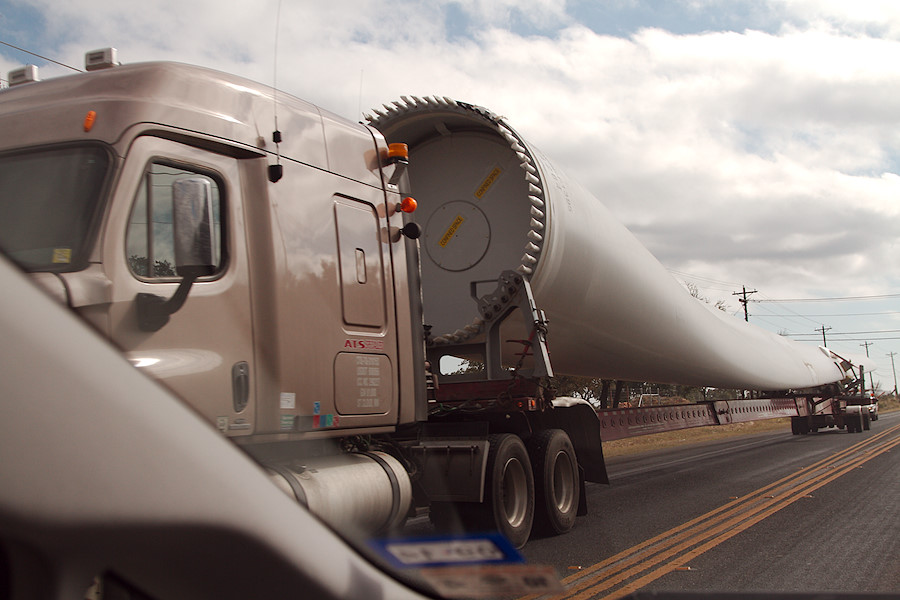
646 562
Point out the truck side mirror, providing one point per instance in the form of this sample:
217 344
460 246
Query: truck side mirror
192 220
193 227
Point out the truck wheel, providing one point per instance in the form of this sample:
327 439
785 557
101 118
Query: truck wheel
508 505
556 488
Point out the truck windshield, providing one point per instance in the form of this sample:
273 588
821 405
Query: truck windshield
49 201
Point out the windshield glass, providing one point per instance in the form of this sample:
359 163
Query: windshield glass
49 201
638 334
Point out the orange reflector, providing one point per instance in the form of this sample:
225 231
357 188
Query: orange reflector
89 119
398 151
408 204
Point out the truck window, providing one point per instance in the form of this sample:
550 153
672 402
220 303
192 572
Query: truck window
50 201
149 242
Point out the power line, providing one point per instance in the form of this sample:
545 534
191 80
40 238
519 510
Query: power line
794 314
56 62
834 299
865 332
864 314
730 284
814 338
758 318
876 332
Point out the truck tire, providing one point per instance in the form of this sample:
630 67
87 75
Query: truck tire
556 485
799 425
508 505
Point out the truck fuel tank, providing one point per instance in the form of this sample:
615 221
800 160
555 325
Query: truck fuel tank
366 491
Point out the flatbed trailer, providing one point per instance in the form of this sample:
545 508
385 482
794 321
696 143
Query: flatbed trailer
809 411
808 414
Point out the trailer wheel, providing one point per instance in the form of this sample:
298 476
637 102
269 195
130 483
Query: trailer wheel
508 505
556 485
799 425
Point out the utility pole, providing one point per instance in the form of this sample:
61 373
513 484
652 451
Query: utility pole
894 369
871 381
743 300
823 329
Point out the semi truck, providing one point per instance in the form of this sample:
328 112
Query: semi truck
373 311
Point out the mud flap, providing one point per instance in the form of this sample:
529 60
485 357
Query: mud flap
578 419
582 498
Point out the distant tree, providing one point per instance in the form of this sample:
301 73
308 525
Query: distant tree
138 264
468 366
587 388
694 291
161 268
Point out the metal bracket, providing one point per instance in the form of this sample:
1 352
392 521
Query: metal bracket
513 291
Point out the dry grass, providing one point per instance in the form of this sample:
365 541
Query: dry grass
685 437
888 404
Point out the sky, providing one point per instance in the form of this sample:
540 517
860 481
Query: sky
745 143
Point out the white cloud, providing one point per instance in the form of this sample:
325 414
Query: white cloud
859 16
537 13
765 157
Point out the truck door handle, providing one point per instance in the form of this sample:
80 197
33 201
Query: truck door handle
240 385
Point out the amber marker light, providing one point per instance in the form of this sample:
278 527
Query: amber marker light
398 151
408 204
89 119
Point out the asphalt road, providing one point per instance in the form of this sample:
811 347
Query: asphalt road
767 513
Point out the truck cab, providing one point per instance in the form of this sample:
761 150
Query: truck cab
298 325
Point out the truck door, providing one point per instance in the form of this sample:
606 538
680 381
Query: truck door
205 351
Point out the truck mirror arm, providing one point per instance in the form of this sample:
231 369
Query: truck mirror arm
153 311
